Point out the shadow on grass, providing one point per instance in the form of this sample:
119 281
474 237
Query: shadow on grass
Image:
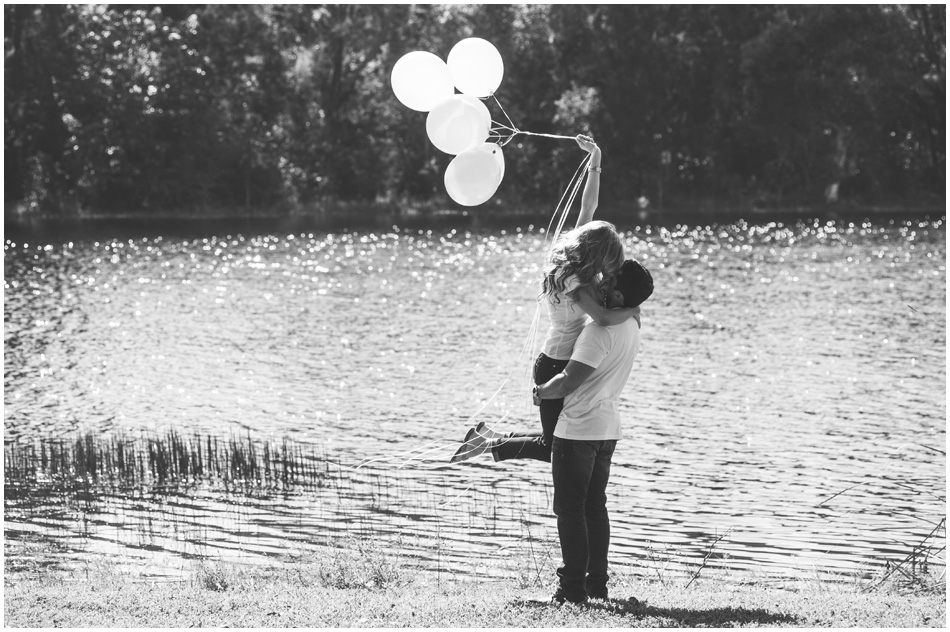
714 617
685 617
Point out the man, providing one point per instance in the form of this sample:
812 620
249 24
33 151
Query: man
586 435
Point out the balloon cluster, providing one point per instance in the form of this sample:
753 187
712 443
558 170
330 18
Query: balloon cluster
457 124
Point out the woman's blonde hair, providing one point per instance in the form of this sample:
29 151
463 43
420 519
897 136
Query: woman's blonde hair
588 250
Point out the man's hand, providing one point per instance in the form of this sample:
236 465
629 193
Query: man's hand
563 384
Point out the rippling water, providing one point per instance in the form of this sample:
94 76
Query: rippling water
789 397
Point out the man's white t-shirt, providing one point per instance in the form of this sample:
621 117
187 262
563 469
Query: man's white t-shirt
591 413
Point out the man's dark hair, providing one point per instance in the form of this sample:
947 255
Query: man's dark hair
634 282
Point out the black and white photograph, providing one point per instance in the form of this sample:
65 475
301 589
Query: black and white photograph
474 316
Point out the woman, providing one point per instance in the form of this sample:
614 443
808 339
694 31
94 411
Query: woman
580 261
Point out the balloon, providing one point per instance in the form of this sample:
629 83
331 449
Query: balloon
421 80
482 108
455 125
476 67
495 151
472 177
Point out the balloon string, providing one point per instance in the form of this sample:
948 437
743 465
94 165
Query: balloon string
421 453
510 122
545 135
570 193
515 131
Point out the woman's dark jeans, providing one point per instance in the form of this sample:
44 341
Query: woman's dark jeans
536 445
581 470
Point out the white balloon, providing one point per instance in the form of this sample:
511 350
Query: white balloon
482 108
495 151
476 67
421 80
472 177
455 125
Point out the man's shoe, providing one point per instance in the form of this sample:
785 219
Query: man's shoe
561 596
473 445
597 593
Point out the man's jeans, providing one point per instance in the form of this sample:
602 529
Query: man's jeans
581 470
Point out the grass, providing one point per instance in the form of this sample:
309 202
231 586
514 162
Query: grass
225 596
357 583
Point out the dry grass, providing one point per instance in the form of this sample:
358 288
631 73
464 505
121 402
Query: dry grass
362 587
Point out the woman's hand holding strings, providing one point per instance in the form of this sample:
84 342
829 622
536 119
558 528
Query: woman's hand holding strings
587 143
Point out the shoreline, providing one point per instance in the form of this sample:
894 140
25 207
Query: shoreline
331 210
386 217
328 595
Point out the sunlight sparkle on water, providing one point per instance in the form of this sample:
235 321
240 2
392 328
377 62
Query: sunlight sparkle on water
749 408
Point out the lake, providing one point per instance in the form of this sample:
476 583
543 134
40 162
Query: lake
786 416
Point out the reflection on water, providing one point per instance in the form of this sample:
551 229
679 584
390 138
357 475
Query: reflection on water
782 365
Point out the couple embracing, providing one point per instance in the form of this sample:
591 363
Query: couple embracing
593 296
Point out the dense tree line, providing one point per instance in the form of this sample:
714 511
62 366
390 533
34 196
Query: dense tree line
191 108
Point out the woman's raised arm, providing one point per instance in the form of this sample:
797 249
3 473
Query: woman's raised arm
588 301
592 189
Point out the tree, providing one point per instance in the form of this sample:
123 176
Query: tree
37 138
241 108
820 81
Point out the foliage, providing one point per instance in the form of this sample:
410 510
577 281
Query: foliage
248 108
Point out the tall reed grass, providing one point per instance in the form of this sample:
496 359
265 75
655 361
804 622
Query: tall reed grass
171 459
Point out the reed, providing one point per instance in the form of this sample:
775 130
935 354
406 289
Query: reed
709 554
169 460
923 568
